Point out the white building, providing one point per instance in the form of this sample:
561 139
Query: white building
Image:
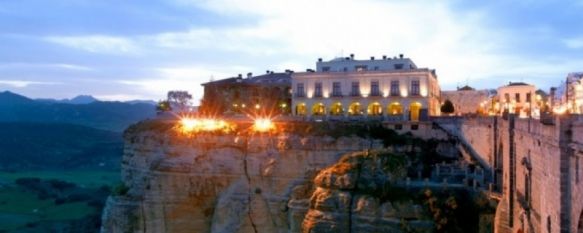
389 89
569 96
518 98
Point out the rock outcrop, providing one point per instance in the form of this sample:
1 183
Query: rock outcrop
355 195
220 183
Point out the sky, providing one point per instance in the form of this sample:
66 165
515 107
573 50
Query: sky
138 49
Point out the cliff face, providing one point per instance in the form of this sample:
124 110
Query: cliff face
211 183
358 194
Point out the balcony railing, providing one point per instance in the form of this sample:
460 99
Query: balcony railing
336 94
300 94
375 93
354 94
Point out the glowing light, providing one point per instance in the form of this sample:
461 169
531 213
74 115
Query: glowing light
263 125
257 106
189 124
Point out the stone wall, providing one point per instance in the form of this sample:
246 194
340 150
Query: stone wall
536 168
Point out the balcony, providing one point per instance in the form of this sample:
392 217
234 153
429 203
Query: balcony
318 95
376 93
300 95
355 94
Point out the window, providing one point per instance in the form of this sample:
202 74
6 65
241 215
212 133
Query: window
506 97
398 66
355 89
345 69
374 88
336 89
528 97
325 68
300 90
360 68
318 90
415 87
395 91
376 68
517 97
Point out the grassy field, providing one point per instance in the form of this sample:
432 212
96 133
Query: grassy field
82 178
20 207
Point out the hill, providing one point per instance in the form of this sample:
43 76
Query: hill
113 116
40 146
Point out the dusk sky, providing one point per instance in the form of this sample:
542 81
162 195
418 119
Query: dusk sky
121 50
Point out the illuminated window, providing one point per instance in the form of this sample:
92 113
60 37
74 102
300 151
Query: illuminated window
360 68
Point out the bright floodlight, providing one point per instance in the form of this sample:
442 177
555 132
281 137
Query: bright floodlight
208 125
263 125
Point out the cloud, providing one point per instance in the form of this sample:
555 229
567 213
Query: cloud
574 43
186 78
61 66
97 44
23 83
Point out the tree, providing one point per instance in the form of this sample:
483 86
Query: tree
179 100
447 107
163 106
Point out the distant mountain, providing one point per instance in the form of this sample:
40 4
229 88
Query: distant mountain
25 146
80 99
114 116
150 102
87 99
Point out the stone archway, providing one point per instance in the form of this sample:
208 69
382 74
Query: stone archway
355 109
336 109
301 109
414 109
580 224
375 109
319 109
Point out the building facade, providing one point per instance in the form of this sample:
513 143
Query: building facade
568 97
518 98
467 100
391 89
267 93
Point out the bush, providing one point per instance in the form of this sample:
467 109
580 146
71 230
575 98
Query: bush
120 190
447 107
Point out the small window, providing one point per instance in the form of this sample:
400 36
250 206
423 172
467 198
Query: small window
345 69
376 68
398 66
517 97
360 68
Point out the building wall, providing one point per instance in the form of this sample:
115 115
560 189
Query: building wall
428 97
466 101
540 177
519 107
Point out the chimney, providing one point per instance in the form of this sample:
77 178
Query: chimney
271 72
384 57
372 58
267 71
249 75
352 56
347 58
319 59
401 56
240 76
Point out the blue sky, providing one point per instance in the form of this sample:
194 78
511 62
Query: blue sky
120 50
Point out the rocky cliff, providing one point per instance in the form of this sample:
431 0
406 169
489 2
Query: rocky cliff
281 182
219 183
